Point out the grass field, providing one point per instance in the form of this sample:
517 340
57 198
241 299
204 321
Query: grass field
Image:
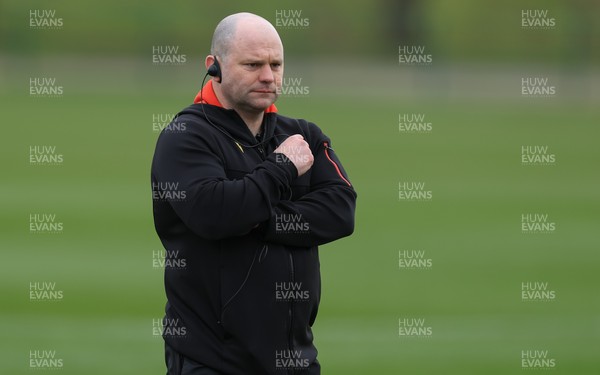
471 230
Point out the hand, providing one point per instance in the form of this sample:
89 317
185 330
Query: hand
296 149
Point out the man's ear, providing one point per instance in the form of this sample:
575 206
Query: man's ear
213 67
208 61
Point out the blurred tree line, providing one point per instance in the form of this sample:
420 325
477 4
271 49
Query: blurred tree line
451 30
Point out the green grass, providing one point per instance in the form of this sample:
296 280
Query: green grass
471 231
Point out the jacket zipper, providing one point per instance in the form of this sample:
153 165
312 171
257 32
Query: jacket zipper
260 147
337 168
261 152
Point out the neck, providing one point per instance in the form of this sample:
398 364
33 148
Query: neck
253 121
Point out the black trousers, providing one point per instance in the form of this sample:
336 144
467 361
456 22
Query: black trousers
177 364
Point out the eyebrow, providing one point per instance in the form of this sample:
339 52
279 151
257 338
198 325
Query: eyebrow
261 61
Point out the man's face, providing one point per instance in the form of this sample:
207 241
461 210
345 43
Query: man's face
252 70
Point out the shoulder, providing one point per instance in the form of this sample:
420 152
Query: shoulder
309 130
188 127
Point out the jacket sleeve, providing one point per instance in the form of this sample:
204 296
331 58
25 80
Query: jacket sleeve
322 215
216 207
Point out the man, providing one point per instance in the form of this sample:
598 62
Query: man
242 198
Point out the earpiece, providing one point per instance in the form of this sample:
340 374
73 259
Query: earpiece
215 69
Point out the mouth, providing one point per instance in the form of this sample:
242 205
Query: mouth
264 91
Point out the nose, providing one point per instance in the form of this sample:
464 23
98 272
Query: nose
266 74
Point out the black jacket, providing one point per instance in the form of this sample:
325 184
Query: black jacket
241 231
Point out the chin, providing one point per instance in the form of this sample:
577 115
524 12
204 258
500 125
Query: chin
262 105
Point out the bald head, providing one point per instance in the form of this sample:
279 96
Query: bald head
250 56
236 26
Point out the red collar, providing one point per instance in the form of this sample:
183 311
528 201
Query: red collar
207 95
